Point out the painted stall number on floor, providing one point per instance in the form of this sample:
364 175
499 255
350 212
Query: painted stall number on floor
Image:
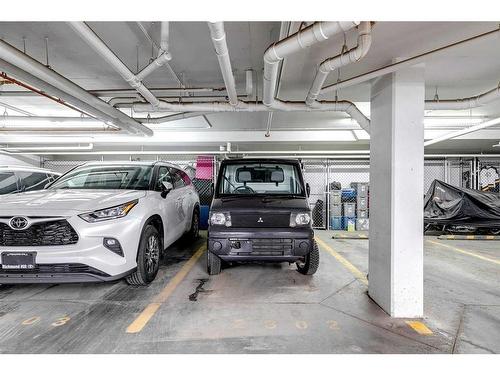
35 319
301 324
273 324
61 321
31 321
270 324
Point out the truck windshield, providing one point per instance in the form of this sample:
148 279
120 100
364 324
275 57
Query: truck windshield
126 177
260 179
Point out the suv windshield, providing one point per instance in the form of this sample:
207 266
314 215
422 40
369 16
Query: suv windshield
261 178
126 177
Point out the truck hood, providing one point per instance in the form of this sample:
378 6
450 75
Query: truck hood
253 204
64 202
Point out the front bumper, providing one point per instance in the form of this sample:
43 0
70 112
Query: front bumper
59 274
88 260
260 244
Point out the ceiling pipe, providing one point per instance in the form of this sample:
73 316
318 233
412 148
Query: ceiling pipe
41 93
15 109
465 131
465 103
169 118
108 93
249 83
19 64
128 102
163 53
89 120
164 37
305 38
316 154
319 106
490 35
218 36
353 55
88 35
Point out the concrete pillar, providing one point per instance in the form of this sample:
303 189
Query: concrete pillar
396 192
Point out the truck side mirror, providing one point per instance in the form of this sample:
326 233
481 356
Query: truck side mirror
308 190
166 187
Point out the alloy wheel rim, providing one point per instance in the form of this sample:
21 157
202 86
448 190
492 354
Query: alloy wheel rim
152 254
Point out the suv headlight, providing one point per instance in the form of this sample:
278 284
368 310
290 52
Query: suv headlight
300 219
220 218
109 213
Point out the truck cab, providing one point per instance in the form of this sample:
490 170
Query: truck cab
260 213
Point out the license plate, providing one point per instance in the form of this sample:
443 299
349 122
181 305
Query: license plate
18 261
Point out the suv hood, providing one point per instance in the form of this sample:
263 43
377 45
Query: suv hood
252 204
64 202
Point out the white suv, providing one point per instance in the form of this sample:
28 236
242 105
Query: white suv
100 221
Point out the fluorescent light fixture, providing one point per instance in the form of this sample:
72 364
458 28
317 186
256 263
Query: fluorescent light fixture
361 135
432 122
465 131
15 149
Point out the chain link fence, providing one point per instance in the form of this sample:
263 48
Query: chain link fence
340 187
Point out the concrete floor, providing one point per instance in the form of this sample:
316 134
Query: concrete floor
262 308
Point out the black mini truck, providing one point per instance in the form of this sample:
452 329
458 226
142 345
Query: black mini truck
260 213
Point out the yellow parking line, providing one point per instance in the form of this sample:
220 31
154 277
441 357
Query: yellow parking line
466 252
350 267
419 327
140 322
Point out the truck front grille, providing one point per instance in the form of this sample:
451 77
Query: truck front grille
267 247
51 233
264 220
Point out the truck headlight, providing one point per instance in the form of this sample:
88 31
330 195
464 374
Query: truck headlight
220 218
109 213
300 219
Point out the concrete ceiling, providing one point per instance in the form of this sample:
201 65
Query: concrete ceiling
458 73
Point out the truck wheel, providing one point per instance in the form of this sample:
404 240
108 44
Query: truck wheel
311 262
194 230
148 257
214 263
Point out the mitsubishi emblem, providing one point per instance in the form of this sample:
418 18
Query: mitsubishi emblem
260 220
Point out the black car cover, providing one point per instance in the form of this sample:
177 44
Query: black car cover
447 204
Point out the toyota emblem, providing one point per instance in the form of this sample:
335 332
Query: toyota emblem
18 223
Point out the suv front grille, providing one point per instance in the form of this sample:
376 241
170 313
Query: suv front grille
51 233
264 220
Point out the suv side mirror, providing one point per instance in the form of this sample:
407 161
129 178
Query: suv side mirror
166 188
308 190
211 189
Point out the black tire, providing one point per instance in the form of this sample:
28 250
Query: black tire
214 263
148 257
194 231
311 262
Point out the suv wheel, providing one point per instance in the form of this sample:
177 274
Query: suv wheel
311 262
214 263
194 230
148 257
